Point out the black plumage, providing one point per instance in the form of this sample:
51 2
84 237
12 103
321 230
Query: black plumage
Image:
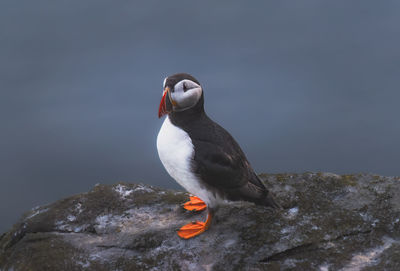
218 159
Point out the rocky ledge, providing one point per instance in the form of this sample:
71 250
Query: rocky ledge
329 222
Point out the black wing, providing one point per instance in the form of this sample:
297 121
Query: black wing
217 166
221 164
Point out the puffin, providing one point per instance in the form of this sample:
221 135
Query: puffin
202 156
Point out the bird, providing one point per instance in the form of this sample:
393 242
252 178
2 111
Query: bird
202 156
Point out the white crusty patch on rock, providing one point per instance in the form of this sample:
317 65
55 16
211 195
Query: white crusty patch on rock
123 190
291 263
71 218
85 264
143 188
368 258
133 220
288 230
324 267
78 208
37 211
62 225
107 221
292 212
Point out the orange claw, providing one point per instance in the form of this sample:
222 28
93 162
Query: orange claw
195 228
195 204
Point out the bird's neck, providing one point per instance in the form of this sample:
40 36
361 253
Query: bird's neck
182 118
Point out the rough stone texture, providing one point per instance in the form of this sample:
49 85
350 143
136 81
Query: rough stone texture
329 222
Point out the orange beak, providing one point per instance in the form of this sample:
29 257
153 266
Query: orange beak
164 109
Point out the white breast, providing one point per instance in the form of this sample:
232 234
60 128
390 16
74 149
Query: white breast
176 153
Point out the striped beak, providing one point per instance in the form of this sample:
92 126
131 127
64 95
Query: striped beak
165 104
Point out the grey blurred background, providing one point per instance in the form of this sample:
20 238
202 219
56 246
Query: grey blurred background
302 86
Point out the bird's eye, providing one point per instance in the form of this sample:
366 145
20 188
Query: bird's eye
184 87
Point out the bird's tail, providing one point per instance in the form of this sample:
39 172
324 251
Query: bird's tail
270 201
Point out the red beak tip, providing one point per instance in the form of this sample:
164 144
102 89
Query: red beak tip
162 110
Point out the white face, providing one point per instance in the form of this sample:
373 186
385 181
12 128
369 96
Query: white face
185 95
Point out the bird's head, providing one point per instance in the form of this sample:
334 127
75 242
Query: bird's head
181 92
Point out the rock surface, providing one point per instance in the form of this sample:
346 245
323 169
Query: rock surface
329 222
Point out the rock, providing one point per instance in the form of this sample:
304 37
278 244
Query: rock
329 222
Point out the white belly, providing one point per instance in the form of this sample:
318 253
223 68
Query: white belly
176 153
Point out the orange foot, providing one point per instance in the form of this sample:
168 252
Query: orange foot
195 204
195 228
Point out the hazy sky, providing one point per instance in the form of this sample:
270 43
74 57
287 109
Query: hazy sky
302 86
